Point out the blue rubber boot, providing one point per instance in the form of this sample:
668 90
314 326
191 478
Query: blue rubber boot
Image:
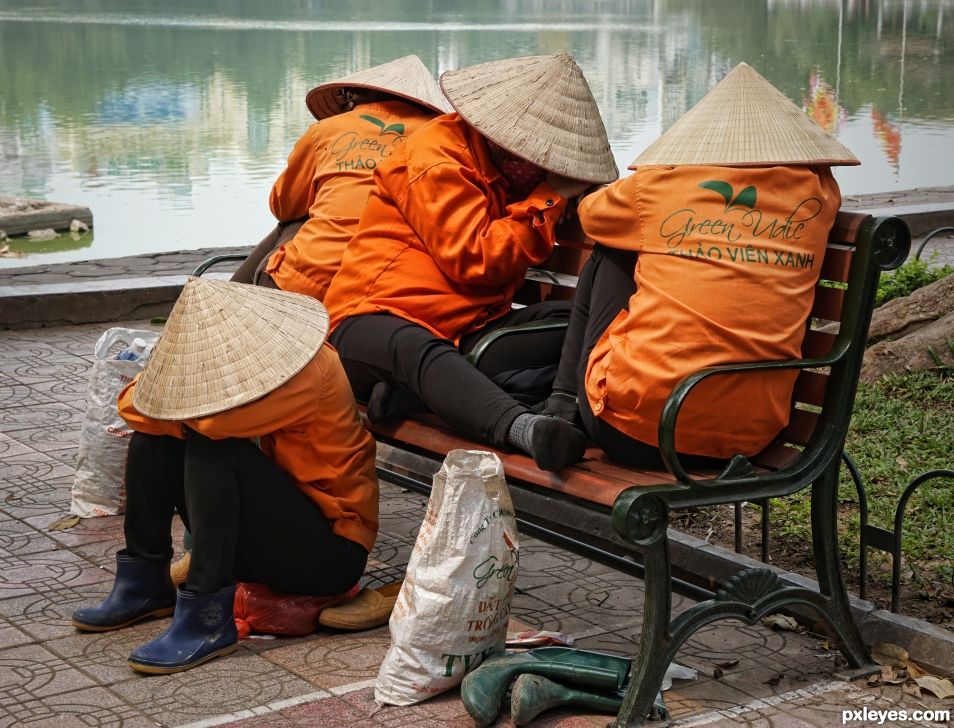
202 628
142 589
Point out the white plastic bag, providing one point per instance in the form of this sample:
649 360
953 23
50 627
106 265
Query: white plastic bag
99 487
454 607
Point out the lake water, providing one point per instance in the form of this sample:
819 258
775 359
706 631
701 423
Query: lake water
171 118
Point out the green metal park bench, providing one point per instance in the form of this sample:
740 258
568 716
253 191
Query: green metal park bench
610 512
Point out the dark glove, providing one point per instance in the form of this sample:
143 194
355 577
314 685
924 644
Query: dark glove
560 404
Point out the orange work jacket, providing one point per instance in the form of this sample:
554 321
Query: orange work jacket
438 244
728 261
309 428
328 178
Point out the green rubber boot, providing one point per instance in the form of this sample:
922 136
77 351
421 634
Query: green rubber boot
483 690
532 694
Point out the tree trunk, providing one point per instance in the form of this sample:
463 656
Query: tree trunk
912 352
902 316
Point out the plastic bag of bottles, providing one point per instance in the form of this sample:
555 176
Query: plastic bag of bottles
99 484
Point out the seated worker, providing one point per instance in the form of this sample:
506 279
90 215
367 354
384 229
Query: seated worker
318 198
245 424
708 254
457 216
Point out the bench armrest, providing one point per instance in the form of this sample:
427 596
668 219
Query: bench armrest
530 327
215 260
676 399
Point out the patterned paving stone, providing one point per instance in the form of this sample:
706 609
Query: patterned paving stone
30 672
240 681
46 615
18 538
19 396
102 655
10 636
42 573
332 660
34 484
90 708
44 427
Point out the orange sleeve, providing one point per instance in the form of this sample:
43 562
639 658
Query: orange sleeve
294 191
447 207
139 422
610 216
282 409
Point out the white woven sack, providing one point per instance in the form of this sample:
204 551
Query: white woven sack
454 607
99 483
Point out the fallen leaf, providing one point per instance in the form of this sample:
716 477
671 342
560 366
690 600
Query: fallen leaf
62 524
726 665
902 463
938 687
781 621
913 669
890 677
775 679
911 688
886 653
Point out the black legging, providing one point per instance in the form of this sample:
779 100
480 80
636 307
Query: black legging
384 347
605 286
603 290
248 520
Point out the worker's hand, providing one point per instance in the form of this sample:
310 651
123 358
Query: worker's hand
567 187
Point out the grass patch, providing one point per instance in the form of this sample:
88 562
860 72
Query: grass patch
902 426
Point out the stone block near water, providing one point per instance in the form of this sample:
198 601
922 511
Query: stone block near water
20 215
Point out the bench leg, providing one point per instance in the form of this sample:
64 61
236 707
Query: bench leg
649 668
828 570
642 519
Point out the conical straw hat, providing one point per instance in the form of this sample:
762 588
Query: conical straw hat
539 108
226 344
744 120
405 77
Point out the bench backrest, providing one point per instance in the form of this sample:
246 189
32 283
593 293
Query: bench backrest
859 248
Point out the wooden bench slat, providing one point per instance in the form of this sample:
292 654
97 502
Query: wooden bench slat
828 303
837 262
817 343
810 388
577 481
800 427
777 456
845 228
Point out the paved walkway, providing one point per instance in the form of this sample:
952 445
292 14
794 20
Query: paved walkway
51 675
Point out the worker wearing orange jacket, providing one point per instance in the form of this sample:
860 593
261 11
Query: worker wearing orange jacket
362 119
708 254
456 218
246 425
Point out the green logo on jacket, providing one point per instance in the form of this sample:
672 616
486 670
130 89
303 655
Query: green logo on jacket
396 129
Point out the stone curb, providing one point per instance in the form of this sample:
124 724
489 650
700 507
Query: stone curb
33 306
709 566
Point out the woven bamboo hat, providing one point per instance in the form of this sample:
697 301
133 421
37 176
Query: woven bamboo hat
407 78
743 121
539 108
226 344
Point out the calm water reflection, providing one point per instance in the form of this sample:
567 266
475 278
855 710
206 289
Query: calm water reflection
170 119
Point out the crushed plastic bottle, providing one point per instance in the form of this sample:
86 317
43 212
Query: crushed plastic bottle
134 351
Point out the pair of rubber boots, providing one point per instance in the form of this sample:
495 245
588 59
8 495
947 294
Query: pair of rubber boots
203 626
541 679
